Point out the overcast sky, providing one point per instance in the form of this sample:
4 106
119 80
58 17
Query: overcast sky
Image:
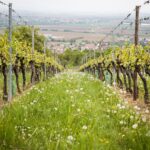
77 6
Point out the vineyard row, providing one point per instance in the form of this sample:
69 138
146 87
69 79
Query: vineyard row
128 64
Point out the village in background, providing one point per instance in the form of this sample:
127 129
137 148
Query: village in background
80 32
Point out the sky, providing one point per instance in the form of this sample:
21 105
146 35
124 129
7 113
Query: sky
103 7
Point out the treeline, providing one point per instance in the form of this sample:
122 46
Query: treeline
73 58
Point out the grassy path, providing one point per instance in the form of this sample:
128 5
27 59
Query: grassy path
72 111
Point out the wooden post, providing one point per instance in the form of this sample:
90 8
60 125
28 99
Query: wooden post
45 72
32 62
136 42
137 25
10 93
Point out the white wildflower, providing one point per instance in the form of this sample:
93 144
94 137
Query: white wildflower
134 126
118 105
67 91
144 119
108 111
35 101
124 92
123 107
84 127
131 117
137 108
123 135
70 139
114 111
88 100
55 108
121 91
73 105
121 122
31 103
81 89
146 111
78 110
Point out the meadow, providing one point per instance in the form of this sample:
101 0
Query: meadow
73 111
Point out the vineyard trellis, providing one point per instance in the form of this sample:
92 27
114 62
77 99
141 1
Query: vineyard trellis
19 55
128 63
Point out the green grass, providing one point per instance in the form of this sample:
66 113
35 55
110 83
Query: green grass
72 111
